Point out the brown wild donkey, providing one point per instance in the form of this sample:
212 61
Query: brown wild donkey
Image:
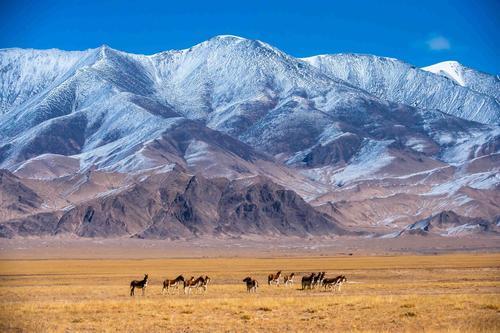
168 284
141 284
252 284
274 278
288 279
190 284
202 283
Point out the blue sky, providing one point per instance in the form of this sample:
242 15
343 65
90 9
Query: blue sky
420 32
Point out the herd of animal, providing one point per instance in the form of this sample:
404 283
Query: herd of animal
308 281
311 281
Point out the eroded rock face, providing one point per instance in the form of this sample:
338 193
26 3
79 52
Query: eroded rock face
178 205
40 224
16 199
266 208
448 223
338 151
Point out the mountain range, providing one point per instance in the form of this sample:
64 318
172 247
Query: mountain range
233 137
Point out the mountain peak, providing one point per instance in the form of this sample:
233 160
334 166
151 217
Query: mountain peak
106 49
232 40
450 69
228 37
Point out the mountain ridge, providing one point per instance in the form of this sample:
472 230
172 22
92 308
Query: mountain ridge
398 81
236 109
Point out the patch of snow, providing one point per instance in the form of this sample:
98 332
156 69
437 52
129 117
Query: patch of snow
483 180
416 144
197 152
420 225
461 229
488 182
450 69
372 157
465 145
391 235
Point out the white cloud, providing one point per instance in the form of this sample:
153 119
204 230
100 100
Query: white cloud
438 43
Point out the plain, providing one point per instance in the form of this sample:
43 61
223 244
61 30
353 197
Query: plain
450 292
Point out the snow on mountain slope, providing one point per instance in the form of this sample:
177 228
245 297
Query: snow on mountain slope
468 77
232 107
242 87
109 103
394 80
97 103
26 72
233 82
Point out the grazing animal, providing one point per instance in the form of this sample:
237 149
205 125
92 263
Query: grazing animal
308 280
168 284
202 283
191 283
141 284
288 279
252 284
274 278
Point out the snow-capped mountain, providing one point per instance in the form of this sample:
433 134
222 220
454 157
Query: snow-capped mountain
237 108
468 77
455 89
26 72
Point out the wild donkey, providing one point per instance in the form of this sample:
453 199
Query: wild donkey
307 281
335 282
252 284
318 279
288 279
141 284
202 283
195 284
274 278
168 284
341 279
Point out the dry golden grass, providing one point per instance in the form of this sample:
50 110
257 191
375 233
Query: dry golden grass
451 293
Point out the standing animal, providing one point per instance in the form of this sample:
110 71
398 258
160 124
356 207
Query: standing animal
191 284
340 280
252 284
318 279
168 284
202 283
329 283
141 284
335 282
308 280
288 279
274 278
322 277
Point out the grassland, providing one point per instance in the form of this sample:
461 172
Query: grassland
450 293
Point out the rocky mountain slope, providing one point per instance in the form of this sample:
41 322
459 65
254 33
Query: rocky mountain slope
369 143
448 223
455 90
176 205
